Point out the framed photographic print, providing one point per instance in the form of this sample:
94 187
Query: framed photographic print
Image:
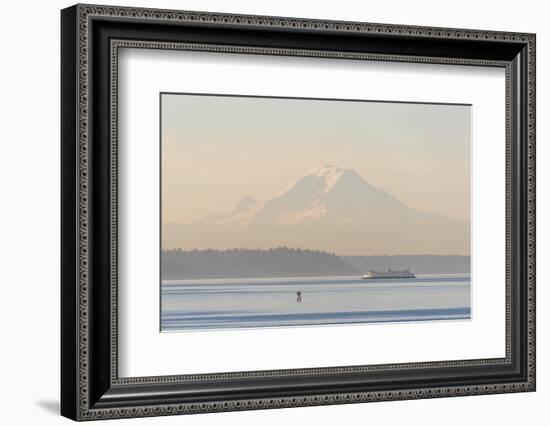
263 212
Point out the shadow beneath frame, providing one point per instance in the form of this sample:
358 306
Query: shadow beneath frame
51 406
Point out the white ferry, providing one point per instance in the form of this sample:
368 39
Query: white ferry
389 273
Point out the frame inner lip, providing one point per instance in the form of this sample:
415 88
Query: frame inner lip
116 44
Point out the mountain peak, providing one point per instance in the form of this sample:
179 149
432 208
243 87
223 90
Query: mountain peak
331 175
328 173
326 170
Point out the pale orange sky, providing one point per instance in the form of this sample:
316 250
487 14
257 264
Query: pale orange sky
217 150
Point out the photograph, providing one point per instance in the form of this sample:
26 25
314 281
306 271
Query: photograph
280 211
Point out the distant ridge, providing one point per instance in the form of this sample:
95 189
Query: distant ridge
242 263
293 262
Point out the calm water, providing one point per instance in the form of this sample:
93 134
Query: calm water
273 302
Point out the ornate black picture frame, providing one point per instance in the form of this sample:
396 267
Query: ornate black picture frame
90 38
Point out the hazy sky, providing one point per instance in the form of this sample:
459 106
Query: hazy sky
217 150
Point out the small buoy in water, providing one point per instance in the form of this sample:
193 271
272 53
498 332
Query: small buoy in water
298 296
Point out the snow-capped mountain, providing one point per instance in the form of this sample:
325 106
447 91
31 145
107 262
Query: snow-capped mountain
329 209
325 192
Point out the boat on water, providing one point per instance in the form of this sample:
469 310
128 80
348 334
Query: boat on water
389 273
